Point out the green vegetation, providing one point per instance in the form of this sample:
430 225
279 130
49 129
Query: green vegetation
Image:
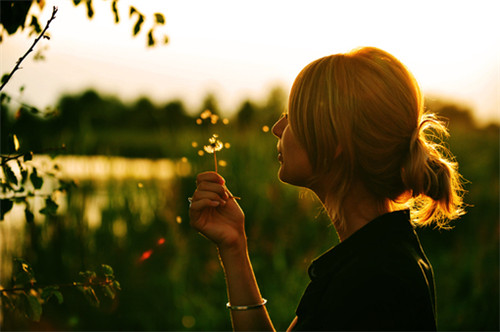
169 275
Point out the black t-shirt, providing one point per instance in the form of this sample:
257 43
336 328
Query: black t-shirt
377 279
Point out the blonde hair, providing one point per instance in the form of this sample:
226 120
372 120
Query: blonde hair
360 115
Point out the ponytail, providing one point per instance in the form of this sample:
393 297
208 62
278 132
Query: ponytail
431 176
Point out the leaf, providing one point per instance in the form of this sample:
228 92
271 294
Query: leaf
5 77
115 11
52 291
7 301
5 206
160 19
109 291
33 307
36 180
138 24
88 276
132 11
90 9
151 39
30 217
34 23
23 274
50 207
3 96
24 175
9 174
28 156
107 270
90 295
65 185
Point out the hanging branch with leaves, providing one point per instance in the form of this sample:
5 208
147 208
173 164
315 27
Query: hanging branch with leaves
43 34
19 181
27 296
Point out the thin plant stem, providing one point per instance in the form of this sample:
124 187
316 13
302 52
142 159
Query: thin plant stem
215 161
42 35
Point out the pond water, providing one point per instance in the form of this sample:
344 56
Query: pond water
103 183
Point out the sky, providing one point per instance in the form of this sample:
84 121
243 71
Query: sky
241 49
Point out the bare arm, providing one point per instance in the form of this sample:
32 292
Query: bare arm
218 216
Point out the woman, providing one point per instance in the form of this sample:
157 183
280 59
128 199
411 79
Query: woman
356 135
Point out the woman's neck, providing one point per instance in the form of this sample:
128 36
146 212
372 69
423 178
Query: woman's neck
359 208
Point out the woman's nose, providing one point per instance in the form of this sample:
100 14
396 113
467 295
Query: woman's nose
279 126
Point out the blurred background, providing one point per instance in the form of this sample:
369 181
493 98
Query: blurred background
102 135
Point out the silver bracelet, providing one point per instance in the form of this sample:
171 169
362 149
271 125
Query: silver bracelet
246 307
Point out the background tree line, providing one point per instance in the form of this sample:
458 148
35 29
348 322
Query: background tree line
89 123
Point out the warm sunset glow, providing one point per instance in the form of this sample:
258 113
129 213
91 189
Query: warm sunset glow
241 49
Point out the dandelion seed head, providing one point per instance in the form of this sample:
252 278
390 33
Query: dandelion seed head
199 121
140 185
222 163
178 219
225 121
214 146
184 159
205 114
214 118
201 152
265 129
194 144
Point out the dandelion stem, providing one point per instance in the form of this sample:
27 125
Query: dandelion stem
215 161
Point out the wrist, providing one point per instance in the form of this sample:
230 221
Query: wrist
233 251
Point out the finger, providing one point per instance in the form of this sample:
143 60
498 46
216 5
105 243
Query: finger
213 188
197 207
199 195
209 177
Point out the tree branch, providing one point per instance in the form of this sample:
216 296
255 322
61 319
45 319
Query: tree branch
21 59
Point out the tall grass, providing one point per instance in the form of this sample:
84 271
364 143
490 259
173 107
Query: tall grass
180 285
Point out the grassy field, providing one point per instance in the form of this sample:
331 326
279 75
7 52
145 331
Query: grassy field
180 286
